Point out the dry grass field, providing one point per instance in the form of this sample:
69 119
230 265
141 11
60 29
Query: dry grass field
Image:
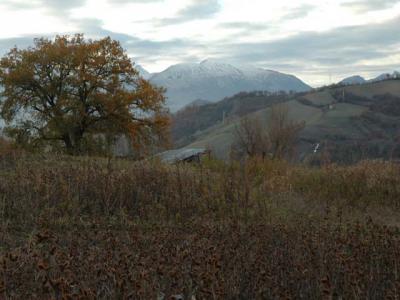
97 228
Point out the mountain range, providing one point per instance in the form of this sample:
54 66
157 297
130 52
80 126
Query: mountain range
212 80
357 79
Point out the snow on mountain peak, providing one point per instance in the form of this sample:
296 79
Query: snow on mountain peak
142 71
213 61
193 71
386 76
356 79
213 80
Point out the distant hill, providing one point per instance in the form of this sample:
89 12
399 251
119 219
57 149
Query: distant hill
353 80
350 122
191 120
213 80
386 76
198 102
356 79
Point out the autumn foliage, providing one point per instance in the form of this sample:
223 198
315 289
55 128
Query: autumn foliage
67 91
73 227
306 261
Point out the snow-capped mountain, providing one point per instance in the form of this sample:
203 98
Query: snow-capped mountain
213 80
353 80
142 71
385 76
360 80
381 77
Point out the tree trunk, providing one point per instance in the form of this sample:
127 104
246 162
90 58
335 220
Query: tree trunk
73 142
68 144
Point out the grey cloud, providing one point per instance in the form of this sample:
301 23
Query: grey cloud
144 51
149 52
22 42
294 13
17 5
137 46
298 12
133 1
198 9
55 6
141 50
339 48
245 26
62 5
307 52
370 5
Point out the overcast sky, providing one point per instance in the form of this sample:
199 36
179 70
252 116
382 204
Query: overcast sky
316 40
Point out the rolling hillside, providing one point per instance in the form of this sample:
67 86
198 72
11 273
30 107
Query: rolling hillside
351 122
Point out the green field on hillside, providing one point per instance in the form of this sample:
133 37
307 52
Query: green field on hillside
358 118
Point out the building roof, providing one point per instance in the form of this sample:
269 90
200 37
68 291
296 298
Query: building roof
177 155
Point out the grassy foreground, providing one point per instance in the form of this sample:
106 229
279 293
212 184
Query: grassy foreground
97 228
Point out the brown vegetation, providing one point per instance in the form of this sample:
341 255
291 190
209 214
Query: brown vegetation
266 229
307 261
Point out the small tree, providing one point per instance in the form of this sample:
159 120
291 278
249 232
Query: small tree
277 138
282 132
250 138
70 89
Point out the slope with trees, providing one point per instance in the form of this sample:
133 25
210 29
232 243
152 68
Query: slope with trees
192 119
360 120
